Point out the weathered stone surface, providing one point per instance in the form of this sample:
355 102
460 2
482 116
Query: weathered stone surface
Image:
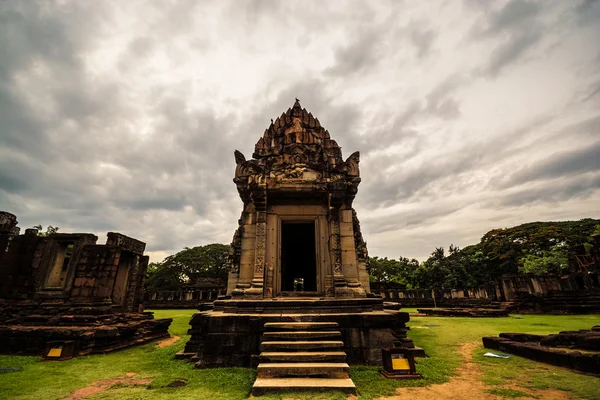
333 370
265 385
301 344
8 222
302 335
304 356
270 374
125 243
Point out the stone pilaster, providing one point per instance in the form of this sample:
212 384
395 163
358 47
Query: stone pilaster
336 252
259 198
348 260
245 271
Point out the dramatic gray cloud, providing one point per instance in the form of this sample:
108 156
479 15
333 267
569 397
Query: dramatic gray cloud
469 116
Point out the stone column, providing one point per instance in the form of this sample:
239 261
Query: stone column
348 255
259 198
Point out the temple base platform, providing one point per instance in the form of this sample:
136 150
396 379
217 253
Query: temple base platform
26 328
231 334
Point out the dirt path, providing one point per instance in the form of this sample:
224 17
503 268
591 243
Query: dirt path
167 342
468 385
100 386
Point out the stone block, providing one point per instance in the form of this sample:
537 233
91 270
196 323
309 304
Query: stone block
347 243
346 230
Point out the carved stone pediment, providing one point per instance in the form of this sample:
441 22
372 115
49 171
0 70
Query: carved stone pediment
295 148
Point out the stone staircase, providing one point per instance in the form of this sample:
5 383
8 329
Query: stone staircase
301 356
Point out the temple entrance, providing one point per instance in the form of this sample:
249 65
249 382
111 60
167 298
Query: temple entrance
298 258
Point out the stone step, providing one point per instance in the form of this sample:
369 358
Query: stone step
329 370
303 335
270 385
301 345
303 356
299 326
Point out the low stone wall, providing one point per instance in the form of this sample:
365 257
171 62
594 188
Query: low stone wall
577 293
464 312
568 302
566 353
186 298
174 304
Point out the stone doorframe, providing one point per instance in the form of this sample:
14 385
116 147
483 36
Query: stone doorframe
276 215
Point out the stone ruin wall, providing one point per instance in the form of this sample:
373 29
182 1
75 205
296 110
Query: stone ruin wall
65 287
89 277
574 293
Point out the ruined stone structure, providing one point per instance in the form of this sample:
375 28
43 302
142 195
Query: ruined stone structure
65 287
298 231
192 295
576 350
298 302
576 293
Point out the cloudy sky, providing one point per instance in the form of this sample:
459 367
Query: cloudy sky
473 115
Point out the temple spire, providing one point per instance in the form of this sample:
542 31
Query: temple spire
297 104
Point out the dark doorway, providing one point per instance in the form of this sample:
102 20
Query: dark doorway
298 258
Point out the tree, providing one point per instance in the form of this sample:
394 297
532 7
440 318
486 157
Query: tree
552 261
160 278
432 272
384 270
49 230
188 265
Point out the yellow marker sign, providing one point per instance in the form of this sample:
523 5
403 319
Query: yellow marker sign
399 363
56 352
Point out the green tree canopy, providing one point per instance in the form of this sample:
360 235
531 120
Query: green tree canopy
535 247
384 270
188 265
553 261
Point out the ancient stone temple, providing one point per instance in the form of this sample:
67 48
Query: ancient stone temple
298 303
66 290
298 233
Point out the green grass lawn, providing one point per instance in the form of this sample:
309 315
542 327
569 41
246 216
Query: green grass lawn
54 380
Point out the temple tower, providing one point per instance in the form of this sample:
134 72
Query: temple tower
298 234
298 261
